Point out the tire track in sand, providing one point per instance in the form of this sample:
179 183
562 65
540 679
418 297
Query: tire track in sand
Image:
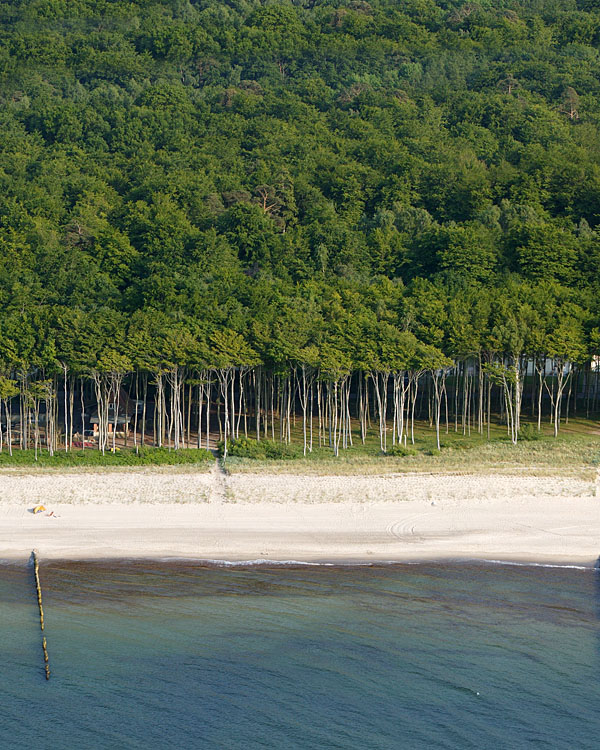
405 530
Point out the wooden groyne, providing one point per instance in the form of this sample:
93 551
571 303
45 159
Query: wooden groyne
38 590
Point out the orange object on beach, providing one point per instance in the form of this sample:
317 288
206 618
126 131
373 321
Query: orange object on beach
39 509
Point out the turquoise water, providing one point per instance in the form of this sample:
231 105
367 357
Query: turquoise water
183 656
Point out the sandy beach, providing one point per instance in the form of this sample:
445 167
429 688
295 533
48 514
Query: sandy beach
210 516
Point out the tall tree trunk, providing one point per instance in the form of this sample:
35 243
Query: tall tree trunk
82 400
65 408
144 406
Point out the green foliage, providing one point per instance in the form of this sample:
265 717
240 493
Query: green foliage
529 433
228 184
244 447
455 444
401 451
125 457
8 388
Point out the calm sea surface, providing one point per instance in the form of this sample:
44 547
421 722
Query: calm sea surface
175 655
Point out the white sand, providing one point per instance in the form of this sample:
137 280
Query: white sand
187 514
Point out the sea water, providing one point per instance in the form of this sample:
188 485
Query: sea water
180 655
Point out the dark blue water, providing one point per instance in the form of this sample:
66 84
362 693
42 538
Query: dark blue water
417 656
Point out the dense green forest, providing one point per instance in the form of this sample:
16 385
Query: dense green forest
358 211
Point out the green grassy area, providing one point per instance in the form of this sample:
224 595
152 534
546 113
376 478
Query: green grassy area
576 452
124 457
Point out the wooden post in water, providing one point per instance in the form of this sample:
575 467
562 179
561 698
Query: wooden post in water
38 589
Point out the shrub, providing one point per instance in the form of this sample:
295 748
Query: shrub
457 444
279 450
244 447
400 451
529 432
146 456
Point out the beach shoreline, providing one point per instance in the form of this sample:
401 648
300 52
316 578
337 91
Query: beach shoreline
277 518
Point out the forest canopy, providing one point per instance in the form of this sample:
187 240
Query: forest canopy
334 184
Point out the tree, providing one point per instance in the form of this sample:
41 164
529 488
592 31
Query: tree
570 103
229 353
434 361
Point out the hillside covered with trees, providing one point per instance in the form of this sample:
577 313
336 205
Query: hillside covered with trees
359 212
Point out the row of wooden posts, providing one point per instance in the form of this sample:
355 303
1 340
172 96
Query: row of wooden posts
38 590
